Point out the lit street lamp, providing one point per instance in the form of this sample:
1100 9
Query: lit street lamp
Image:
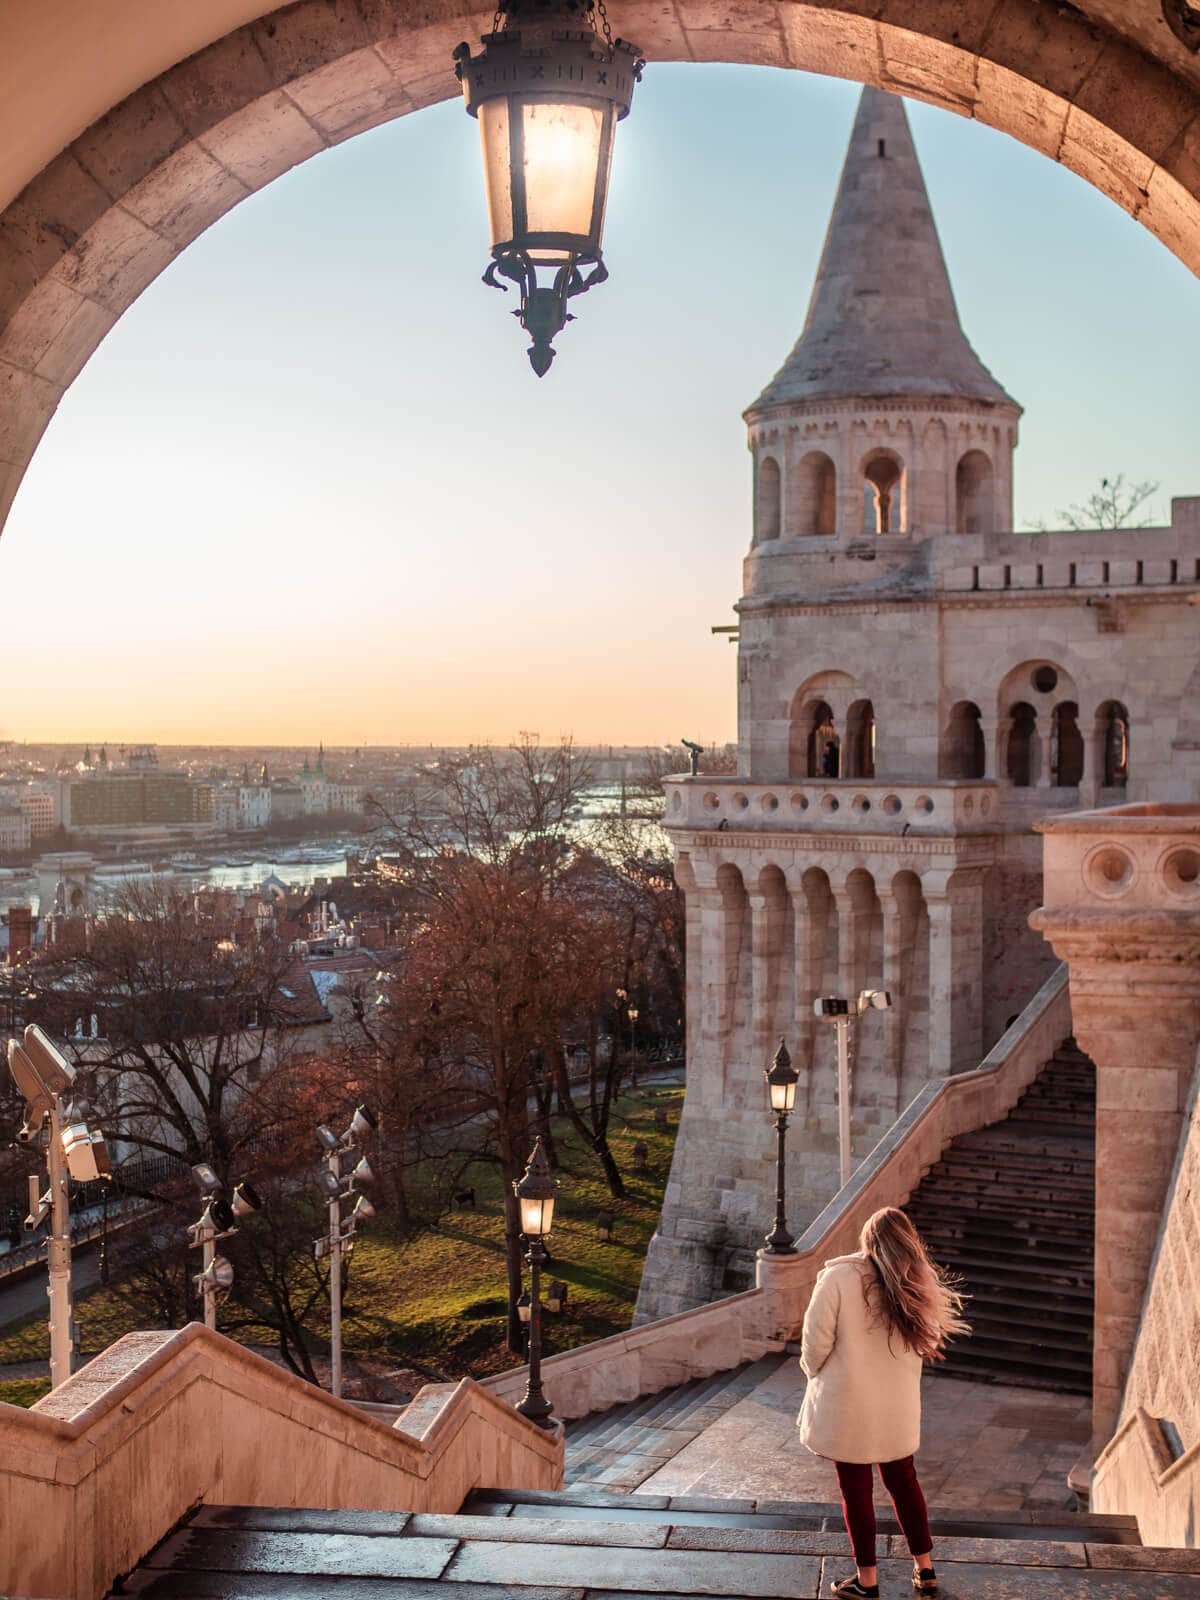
781 1079
833 1008
547 93
345 1168
44 1078
535 1195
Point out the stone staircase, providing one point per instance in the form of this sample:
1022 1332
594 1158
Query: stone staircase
620 1448
590 1545
1011 1209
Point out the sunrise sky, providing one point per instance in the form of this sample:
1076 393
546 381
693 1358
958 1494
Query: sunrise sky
309 487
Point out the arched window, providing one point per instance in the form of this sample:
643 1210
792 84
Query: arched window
974 494
1113 732
816 495
768 504
1022 746
883 480
860 740
963 753
1066 746
824 746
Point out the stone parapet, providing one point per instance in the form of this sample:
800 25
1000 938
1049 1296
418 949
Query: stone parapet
101 1469
854 806
1122 907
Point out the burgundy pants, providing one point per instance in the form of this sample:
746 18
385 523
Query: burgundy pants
900 1480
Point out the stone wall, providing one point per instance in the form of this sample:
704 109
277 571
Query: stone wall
1149 1469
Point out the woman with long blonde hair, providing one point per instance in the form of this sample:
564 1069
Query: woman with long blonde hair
873 1321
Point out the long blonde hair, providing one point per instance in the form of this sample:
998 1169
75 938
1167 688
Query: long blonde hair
915 1298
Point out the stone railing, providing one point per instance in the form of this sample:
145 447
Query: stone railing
722 1335
1138 1473
102 1468
856 805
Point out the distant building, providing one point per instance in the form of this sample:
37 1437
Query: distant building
14 830
140 792
287 801
254 801
37 800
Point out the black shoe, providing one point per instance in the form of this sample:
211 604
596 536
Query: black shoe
852 1587
925 1581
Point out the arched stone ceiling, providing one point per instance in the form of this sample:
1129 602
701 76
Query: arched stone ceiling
128 126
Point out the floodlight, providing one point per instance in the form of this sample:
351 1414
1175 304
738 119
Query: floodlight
32 1090
206 1178
362 1172
220 1214
875 1000
51 1066
330 1182
83 1155
362 1123
328 1139
246 1200
363 1209
217 1277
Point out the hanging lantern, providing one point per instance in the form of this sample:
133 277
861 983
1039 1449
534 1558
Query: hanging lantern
548 94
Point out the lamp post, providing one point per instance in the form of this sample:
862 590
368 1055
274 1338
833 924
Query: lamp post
781 1079
535 1194
218 1220
44 1078
548 94
345 1167
841 1012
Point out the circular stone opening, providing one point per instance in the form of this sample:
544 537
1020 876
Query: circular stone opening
1108 870
1045 679
770 803
923 804
712 803
860 804
799 802
1181 871
740 802
891 804
829 804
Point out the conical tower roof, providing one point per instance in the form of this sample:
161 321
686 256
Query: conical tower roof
882 318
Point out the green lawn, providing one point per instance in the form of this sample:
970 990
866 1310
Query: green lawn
437 1302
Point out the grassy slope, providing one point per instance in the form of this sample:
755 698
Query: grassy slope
437 1303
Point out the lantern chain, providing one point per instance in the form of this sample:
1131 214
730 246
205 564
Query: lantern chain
602 13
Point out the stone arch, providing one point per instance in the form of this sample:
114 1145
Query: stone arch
883 492
775 962
974 494
182 117
963 752
1110 747
859 751
732 998
816 495
1021 758
768 501
1066 746
1025 704
817 715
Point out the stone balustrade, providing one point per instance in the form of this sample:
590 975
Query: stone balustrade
100 1469
830 805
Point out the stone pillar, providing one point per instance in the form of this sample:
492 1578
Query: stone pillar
768 910
955 970
897 936
1044 748
1122 908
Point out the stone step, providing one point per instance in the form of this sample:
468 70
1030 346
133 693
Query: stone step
947 1239
1073 1216
990 1328
975 1178
1037 1306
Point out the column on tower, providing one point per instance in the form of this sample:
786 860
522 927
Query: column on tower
955 902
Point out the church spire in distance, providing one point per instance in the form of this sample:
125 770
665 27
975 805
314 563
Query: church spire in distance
882 319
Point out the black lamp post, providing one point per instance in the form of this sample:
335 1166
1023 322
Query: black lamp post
781 1079
535 1195
548 94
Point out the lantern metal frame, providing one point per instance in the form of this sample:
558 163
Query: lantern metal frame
548 52
781 1075
538 1185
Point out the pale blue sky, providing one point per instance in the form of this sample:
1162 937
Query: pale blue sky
310 488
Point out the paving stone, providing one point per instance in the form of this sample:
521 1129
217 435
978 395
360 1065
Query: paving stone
297 1519
280 1586
539 1530
684 1519
702 1502
766 1541
651 1571
977 1581
328 1554
1006 1552
1142 1557
578 1496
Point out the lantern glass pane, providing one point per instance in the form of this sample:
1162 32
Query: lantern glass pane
562 152
783 1096
497 167
531 1218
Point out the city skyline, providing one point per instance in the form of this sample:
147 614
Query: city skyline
309 481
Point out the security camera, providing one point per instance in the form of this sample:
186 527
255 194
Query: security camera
831 1005
87 1156
31 1128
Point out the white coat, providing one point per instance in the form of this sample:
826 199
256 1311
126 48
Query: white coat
863 1401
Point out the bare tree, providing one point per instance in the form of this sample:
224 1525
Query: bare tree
1112 505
